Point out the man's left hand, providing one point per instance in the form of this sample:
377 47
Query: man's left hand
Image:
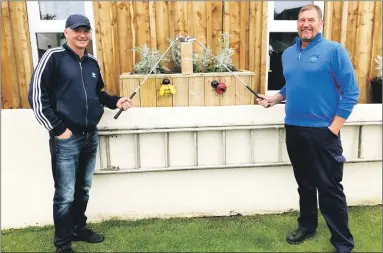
124 103
334 130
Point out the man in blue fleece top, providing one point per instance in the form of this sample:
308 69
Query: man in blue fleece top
320 92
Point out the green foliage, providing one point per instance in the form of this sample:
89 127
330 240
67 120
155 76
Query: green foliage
205 63
224 57
176 55
149 57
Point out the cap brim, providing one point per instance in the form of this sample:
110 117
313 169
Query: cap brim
76 25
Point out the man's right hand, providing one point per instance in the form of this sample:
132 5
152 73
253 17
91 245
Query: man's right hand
265 101
268 101
66 135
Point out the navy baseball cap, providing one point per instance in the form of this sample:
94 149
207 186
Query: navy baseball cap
76 20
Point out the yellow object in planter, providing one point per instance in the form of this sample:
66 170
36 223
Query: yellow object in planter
166 88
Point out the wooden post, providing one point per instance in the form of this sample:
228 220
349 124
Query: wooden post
187 57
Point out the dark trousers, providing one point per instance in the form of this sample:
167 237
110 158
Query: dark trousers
73 164
317 160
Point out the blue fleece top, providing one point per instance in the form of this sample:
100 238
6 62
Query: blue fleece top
320 83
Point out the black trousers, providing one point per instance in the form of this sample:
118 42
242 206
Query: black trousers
317 160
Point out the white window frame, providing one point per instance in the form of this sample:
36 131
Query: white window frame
36 25
286 26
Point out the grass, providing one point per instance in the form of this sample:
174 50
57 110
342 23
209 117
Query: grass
259 233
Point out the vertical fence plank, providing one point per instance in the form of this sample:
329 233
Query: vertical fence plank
343 28
180 14
106 24
252 34
97 30
257 48
244 35
263 50
10 87
336 21
125 37
115 50
162 19
22 49
217 25
232 26
172 23
328 14
363 47
152 24
352 19
141 25
209 25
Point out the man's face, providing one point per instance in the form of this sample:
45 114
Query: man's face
309 25
78 37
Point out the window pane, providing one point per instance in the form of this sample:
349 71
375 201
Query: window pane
278 43
288 10
60 10
52 40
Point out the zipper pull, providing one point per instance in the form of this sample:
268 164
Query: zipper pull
299 56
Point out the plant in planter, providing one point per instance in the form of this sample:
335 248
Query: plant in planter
149 58
207 63
224 57
376 82
187 79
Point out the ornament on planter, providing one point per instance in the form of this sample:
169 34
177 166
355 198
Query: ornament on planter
214 84
219 87
166 88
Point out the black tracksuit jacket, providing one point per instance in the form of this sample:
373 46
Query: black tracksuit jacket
66 92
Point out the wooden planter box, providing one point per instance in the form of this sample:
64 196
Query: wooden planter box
192 89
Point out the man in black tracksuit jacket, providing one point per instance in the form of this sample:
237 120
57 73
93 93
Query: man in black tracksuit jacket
67 97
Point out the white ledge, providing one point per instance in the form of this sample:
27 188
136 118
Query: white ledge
211 116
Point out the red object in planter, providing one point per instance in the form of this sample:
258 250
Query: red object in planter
221 88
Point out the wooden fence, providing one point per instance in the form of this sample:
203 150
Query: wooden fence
16 56
120 26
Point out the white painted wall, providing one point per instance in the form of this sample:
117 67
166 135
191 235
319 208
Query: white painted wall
182 161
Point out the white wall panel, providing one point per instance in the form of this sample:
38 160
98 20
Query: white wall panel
283 147
122 151
210 148
265 145
152 150
350 138
238 147
371 142
102 156
181 149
